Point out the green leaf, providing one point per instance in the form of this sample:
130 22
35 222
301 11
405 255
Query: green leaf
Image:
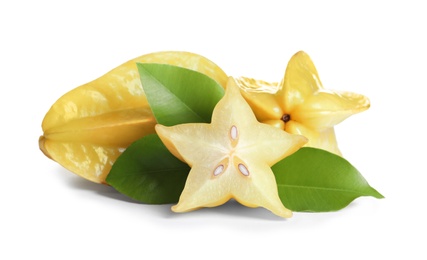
316 180
178 95
147 172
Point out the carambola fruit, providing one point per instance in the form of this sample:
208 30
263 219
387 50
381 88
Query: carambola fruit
300 104
230 158
86 129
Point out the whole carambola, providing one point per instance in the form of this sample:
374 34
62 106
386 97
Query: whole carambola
87 128
300 104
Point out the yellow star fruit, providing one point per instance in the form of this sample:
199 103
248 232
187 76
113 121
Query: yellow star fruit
300 104
86 129
230 158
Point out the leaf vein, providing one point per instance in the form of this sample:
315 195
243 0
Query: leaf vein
320 188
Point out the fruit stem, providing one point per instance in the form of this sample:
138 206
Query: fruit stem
286 118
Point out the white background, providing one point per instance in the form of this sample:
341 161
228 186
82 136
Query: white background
376 48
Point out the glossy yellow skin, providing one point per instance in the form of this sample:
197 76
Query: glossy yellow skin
313 110
86 129
217 151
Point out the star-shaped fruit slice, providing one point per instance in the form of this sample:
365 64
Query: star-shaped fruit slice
230 158
300 104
